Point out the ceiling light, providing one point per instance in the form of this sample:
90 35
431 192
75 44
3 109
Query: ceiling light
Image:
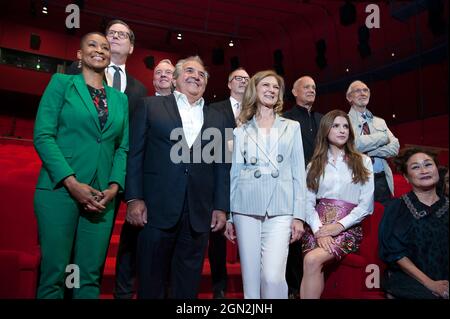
231 44
179 36
44 10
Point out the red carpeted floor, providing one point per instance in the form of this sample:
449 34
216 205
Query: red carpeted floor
234 285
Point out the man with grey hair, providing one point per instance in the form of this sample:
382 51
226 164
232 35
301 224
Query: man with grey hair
372 137
176 202
162 77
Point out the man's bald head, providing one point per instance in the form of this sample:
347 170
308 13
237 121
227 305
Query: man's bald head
304 90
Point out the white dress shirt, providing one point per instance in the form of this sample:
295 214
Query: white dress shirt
236 106
191 116
109 74
337 183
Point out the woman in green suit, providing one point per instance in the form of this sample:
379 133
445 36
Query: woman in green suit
81 136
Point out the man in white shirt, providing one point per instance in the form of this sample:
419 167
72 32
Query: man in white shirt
373 137
230 109
162 77
173 200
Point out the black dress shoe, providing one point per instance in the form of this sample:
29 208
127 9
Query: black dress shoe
219 294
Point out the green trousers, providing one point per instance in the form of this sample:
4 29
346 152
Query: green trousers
70 235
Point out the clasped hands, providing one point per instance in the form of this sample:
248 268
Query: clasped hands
325 236
90 198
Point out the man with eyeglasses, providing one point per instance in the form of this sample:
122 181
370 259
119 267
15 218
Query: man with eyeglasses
373 138
176 202
304 91
121 40
230 110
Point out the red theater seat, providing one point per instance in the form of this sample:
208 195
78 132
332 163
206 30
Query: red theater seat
401 186
348 278
19 249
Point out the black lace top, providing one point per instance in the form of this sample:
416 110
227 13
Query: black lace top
412 229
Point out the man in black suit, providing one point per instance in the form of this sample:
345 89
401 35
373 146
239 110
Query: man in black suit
304 90
217 249
126 254
121 39
177 185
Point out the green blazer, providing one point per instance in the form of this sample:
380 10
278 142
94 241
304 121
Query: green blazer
68 138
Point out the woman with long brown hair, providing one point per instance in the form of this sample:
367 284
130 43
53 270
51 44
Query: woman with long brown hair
340 194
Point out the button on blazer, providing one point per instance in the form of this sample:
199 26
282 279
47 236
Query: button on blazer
268 172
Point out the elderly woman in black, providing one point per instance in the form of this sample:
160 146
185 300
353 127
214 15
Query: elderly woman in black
413 234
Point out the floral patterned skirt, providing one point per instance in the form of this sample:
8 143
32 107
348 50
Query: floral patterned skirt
330 212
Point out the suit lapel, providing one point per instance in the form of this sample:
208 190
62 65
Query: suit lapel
113 101
280 125
171 107
229 112
82 89
129 84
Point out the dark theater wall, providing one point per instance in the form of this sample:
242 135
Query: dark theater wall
407 87
63 46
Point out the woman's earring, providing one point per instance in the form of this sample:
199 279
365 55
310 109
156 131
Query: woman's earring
79 64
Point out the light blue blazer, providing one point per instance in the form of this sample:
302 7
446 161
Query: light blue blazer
268 171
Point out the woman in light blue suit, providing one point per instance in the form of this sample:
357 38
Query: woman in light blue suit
268 188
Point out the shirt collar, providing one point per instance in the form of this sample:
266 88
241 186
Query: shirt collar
340 157
178 95
233 101
121 66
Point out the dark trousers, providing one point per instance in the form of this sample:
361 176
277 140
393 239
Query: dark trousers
294 267
217 254
126 262
382 192
178 251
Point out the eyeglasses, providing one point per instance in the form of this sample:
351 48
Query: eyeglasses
120 34
359 91
240 78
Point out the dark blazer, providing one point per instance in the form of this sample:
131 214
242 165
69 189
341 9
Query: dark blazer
309 125
134 90
227 110
154 177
